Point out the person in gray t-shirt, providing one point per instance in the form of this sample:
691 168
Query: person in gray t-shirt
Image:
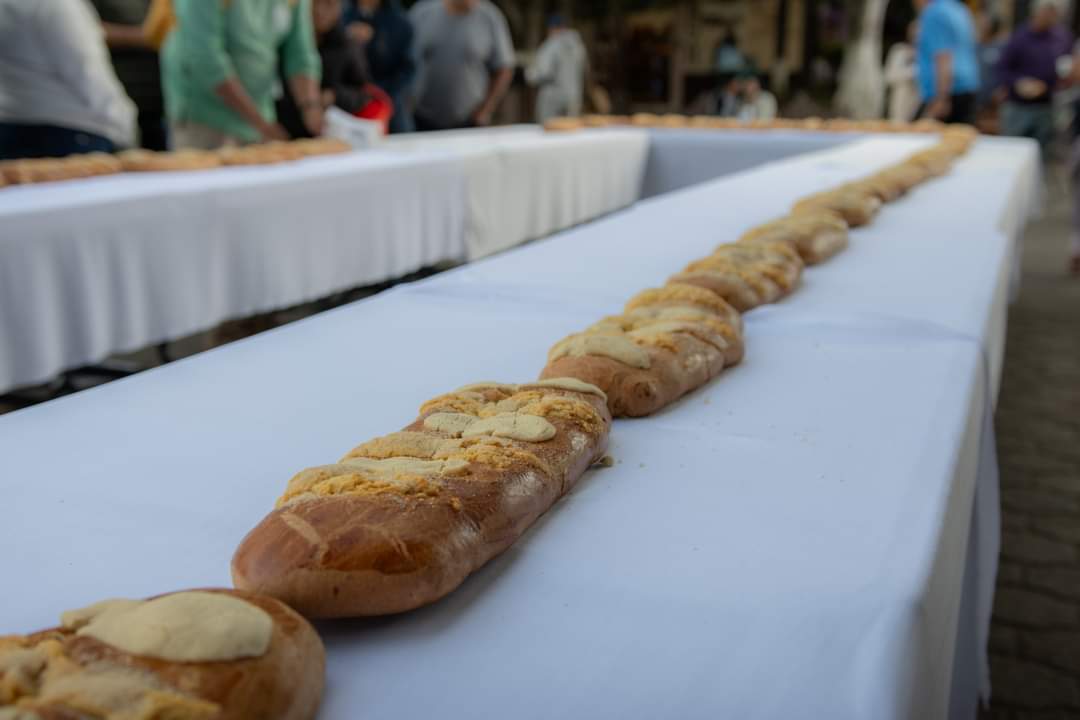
466 62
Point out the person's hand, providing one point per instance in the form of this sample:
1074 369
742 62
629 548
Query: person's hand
312 115
360 32
482 117
1030 88
328 98
939 108
272 131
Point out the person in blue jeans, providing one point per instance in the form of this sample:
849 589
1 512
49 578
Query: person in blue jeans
58 93
387 35
946 60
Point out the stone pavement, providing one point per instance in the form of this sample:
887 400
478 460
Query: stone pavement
1035 638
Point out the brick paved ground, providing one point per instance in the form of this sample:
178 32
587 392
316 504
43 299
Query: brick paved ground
1035 640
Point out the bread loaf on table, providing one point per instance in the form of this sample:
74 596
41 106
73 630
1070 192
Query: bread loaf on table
73 167
667 342
313 147
563 124
856 207
816 236
877 185
597 121
179 161
193 655
402 520
770 269
269 153
645 119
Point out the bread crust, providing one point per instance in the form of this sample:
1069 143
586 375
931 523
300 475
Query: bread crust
564 124
284 683
688 334
857 207
179 161
73 167
377 554
816 236
634 392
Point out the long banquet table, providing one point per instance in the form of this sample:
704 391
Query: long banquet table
682 157
113 264
96 267
525 184
814 534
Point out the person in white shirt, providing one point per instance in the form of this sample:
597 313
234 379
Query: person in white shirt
755 102
900 71
559 72
59 94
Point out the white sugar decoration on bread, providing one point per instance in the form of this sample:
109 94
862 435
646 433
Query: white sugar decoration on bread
183 627
195 655
513 426
568 384
405 518
510 425
616 347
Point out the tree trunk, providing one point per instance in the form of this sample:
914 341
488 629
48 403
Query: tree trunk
861 92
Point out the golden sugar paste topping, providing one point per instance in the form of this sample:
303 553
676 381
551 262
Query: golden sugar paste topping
572 410
468 402
407 443
367 476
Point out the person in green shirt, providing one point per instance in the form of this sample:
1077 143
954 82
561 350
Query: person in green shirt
220 70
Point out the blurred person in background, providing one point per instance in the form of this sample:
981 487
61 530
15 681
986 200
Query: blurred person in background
721 101
754 101
1028 70
136 63
220 71
1074 136
559 71
59 94
900 75
947 65
990 96
384 30
727 100
466 62
991 44
344 69
729 58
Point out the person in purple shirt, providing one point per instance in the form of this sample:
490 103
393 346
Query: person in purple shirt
1028 70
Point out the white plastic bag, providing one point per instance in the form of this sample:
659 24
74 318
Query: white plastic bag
356 131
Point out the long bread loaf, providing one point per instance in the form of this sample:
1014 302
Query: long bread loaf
402 520
196 655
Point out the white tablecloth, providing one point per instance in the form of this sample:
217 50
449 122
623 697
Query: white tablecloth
91 268
526 184
680 158
794 540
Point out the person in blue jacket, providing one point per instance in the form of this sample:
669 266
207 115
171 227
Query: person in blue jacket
384 29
